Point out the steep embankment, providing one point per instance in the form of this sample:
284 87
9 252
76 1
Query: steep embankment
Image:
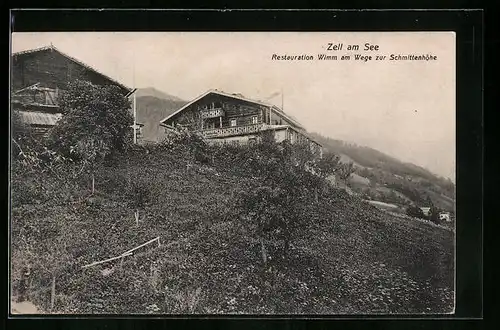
352 259
382 177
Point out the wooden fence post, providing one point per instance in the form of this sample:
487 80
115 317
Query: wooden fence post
30 288
263 251
53 293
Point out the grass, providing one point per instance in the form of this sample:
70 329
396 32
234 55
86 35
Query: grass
357 259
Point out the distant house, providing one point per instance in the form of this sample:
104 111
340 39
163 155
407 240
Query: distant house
40 75
426 211
445 216
231 118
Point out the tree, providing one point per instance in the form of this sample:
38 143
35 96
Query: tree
434 214
345 170
429 202
18 129
328 164
95 124
278 204
188 140
415 211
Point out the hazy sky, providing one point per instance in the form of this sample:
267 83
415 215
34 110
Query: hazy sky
403 108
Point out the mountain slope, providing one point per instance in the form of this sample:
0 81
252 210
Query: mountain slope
151 91
390 179
352 259
379 176
152 106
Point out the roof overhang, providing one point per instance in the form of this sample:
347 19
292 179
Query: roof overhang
214 91
132 91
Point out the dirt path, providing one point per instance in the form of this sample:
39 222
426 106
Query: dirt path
24 307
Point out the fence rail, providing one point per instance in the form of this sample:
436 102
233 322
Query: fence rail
124 254
107 260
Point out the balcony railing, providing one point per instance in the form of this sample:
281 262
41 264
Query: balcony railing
212 113
229 131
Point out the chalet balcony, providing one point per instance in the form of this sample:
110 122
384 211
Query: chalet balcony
230 131
212 113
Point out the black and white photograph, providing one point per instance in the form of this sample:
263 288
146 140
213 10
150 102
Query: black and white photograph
232 173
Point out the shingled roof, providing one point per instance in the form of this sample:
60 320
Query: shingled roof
52 48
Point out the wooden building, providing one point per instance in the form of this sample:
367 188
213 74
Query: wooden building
231 118
445 216
38 78
426 210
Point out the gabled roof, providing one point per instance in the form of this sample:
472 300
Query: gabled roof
234 96
52 48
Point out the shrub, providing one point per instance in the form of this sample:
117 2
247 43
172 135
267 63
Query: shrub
415 211
97 121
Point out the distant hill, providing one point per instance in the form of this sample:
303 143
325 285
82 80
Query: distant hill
385 178
151 91
378 176
152 106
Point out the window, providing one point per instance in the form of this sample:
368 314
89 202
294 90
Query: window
254 120
233 122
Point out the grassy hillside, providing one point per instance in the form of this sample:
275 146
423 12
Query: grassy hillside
153 106
352 258
391 179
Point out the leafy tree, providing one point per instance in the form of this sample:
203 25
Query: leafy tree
328 164
345 170
429 202
187 140
95 124
276 207
18 129
415 211
434 214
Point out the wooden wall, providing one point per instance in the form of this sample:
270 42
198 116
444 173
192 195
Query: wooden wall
240 110
234 109
50 69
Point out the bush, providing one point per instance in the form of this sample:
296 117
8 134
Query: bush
97 122
415 211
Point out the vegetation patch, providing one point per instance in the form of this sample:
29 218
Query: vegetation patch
242 230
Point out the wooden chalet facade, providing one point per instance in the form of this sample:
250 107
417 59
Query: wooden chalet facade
230 118
38 78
